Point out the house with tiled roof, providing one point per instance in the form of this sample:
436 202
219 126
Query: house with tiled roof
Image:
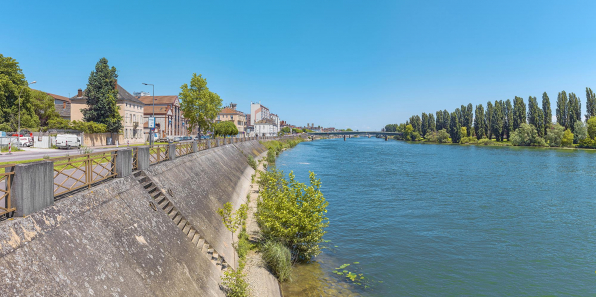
229 113
169 120
131 110
62 105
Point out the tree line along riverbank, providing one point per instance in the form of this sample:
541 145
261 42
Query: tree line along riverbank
505 123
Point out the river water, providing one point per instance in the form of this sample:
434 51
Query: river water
450 220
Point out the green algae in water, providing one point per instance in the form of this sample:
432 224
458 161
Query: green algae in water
310 280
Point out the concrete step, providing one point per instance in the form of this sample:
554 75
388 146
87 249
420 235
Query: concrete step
160 199
177 219
156 194
138 174
152 189
182 224
168 209
186 229
164 204
210 251
173 213
205 248
201 243
195 238
215 256
191 233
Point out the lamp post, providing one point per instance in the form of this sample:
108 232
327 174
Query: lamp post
151 136
19 126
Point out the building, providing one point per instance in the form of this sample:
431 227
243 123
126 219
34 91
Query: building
265 127
131 110
62 105
169 121
229 113
258 112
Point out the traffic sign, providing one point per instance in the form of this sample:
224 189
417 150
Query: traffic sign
151 122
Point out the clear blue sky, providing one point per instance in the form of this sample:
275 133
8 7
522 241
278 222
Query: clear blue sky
357 64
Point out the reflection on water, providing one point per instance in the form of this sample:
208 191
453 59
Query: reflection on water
309 280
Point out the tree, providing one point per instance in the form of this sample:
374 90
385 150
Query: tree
469 118
431 122
547 112
443 136
446 120
43 106
13 84
562 108
581 131
454 128
567 139
439 120
225 128
102 93
592 127
574 113
519 112
292 213
497 121
487 119
508 118
233 220
526 135
535 115
479 121
349 130
424 126
199 105
554 135
590 104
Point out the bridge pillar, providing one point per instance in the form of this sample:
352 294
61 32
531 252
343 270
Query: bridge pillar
385 137
344 138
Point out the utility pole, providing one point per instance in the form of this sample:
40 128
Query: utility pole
151 129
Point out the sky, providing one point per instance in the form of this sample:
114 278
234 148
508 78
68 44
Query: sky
342 64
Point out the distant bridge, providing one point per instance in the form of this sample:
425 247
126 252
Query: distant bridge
371 133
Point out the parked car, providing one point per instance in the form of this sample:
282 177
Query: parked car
25 141
67 141
185 138
176 139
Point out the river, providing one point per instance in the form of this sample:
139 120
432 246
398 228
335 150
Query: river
450 220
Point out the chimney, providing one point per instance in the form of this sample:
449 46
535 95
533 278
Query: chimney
116 84
80 93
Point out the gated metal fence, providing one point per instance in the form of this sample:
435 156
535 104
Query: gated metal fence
73 173
159 153
6 175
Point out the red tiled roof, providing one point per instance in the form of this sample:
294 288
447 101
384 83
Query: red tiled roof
159 99
227 110
148 110
58 97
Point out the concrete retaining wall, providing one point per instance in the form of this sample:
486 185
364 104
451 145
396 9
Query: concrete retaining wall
110 241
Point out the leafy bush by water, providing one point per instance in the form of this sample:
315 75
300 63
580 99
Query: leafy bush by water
252 162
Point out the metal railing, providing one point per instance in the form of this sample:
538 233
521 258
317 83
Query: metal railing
135 158
6 177
183 148
73 173
159 153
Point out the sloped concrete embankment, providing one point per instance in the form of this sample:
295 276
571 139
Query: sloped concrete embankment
110 240
201 183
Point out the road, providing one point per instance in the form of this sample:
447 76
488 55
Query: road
39 153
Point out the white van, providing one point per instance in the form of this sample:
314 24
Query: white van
67 141
24 141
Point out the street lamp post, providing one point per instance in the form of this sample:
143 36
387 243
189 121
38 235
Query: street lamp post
151 137
19 126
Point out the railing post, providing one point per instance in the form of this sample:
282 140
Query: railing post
172 151
195 147
143 158
123 162
217 142
32 187
208 143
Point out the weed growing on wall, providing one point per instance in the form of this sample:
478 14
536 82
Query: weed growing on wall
252 163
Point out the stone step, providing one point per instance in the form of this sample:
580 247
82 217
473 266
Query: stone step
191 233
177 219
173 213
164 204
201 242
205 247
138 173
156 194
195 238
215 256
160 199
182 224
186 229
152 189
168 209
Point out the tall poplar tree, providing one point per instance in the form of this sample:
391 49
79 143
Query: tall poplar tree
574 111
455 128
479 121
487 120
508 114
439 120
562 109
102 93
548 113
431 122
469 118
446 120
519 112
424 127
532 110
590 104
497 121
